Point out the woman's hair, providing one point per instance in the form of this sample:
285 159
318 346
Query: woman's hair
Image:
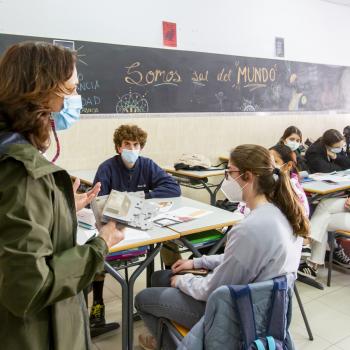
286 154
130 133
30 72
330 137
289 131
273 183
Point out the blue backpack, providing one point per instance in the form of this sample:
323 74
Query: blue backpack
274 338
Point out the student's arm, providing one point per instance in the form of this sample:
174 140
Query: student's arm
235 268
343 161
208 262
162 184
104 176
32 275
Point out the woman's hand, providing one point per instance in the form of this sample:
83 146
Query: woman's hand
112 233
182 264
173 280
347 203
83 199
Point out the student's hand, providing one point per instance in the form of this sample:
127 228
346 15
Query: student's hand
112 233
331 154
347 203
182 264
173 280
83 199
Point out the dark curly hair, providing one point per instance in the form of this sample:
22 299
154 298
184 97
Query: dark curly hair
131 133
30 72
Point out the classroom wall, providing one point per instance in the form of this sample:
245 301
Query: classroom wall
314 31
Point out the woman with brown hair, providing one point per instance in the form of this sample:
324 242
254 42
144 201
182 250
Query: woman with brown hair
42 270
327 154
265 244
293 138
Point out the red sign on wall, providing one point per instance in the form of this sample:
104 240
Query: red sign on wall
169 34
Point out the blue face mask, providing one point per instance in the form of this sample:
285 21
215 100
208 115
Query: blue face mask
69 114
130 156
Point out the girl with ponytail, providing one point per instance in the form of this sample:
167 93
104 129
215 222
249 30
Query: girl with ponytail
265 244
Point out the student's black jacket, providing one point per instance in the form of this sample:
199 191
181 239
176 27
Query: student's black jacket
319 162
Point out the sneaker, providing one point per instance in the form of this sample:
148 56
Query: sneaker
307 271
340 258
306 250
147 342
97 315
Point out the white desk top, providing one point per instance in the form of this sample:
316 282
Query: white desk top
322 187
218 218
193 174
157 235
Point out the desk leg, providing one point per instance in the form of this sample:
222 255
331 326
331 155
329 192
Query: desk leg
212 195
190 246
150 257
125 294
128 296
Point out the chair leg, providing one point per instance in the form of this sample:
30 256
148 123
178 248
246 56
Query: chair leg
301 307
331 239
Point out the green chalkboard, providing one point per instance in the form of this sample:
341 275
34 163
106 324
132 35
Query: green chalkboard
131 79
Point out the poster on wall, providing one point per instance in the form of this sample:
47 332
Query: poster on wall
120 79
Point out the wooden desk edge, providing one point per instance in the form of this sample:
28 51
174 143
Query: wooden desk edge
326 191
82 181
143 243
207 228
195 176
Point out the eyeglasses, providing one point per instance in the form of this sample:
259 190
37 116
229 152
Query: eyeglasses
228 172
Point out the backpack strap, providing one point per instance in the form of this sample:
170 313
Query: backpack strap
259 345
271 343
242 298
277 323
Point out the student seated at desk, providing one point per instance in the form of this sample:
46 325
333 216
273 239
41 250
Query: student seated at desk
331 214
265 244
286 159
293 138
327 153
130 172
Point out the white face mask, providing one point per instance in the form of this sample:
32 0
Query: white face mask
336 149
232 190
293 145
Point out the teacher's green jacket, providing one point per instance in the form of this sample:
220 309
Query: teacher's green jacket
42 270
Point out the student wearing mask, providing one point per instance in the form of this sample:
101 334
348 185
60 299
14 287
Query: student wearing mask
42 270
293 138
327 153
265 244
128 171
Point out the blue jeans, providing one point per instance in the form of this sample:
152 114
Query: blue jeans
163 301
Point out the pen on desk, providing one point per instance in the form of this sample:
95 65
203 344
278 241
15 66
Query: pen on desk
333 172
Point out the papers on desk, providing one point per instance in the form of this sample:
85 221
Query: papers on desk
132 235
180 215
86 219
84 235
331 177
